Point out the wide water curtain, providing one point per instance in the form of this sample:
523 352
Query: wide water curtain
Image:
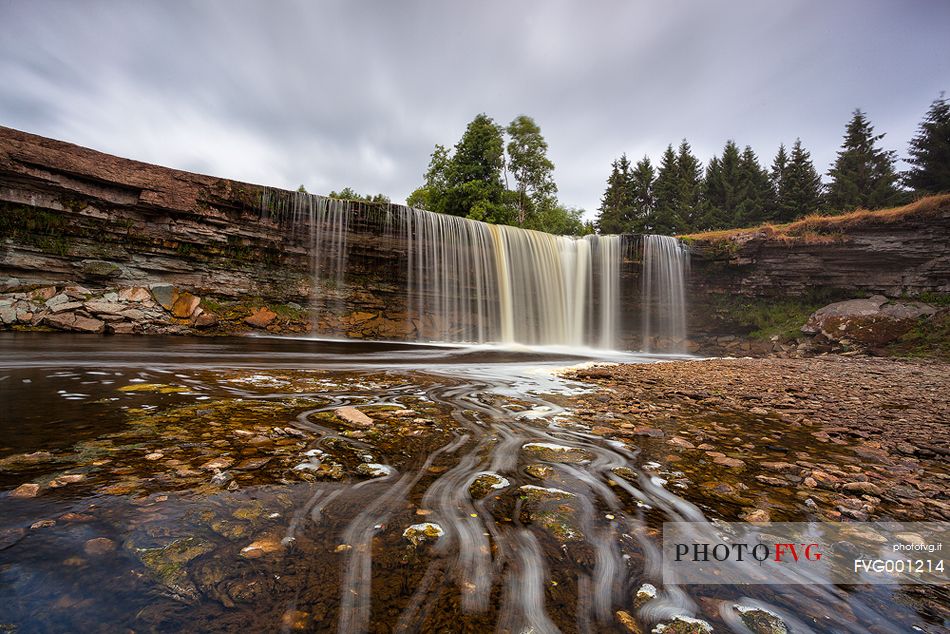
471 282
663 294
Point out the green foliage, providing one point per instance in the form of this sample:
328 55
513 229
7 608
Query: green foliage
531 168
616 205
863 174
48 232
348 194
799 192
930 151
302 190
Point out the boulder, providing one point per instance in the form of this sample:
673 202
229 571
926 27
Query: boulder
353 416
205 320
75 323
184 305
872 322
165 295
8 314
261 318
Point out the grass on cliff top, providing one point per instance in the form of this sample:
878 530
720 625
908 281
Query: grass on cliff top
817 228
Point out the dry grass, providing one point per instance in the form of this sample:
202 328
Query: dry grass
817 229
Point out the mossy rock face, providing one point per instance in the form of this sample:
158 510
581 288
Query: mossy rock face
100 269
683 625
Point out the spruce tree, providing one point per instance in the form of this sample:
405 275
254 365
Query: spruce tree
666 191
863 174
616 206
777 176
930 151
721 189
755 199
690 189
641 190
800 194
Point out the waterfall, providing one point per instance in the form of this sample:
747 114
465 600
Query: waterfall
663 294
467 281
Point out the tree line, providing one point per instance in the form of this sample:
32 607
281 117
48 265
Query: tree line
503 175
734 190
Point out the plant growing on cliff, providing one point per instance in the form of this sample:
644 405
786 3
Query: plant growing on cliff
930 151
863 174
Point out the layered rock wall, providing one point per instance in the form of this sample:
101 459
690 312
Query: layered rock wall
73 217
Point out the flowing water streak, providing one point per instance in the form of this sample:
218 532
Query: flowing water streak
663 296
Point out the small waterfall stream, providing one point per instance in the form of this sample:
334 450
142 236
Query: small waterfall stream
472 282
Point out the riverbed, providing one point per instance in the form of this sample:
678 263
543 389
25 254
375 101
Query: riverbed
188 484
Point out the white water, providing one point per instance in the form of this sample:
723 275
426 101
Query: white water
663 294
471 282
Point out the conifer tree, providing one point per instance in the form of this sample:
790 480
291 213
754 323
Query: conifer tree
930 151
666 191
800 194
690 189
616 206
778 173
641 191
863 174
721 189
755 199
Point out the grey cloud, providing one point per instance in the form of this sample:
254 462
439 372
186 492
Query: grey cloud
339 93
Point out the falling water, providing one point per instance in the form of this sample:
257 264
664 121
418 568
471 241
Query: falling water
663 297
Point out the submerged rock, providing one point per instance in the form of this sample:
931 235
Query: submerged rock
552 510
761 621
683 625
374 470
166 565
424 532
28 490
98 546
551 452
485 483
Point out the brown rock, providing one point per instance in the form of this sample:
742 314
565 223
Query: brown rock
43 294
261 318
221 462
134 294
99 546
251 464
353 416
28 490
681 442
69 321
206 320
864 488
185 305
782 467
734 463
121 328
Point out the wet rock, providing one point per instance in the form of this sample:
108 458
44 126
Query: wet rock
184 305
551 452
552 509
757 516
421 533
761 621
42 524
206 320
159 388
781 467
733 463
485 483
167 565
251 464
261 318
540 471
628 622
99 546
646 592
295 620
63 480
374 470
681 442
683 625
28 490
215 464
123 328
353 416
11 536
264 546
863 488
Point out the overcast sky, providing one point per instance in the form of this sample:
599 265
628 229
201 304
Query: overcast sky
354 93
